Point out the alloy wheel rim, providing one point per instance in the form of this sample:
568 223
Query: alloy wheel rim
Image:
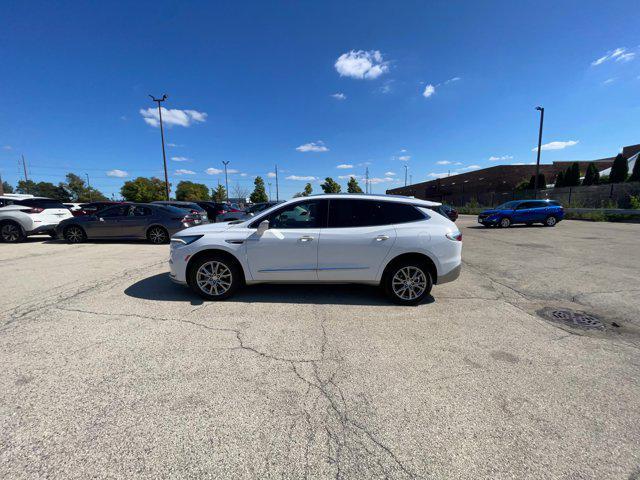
74 235
551 221
157 235
504 222
409 283
10 233
214 278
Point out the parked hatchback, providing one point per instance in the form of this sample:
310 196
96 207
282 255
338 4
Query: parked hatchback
191 207
393 241
156 223
547 212
24 215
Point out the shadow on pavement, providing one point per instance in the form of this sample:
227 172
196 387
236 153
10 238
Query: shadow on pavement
160 287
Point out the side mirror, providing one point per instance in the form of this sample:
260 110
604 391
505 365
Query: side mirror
263 227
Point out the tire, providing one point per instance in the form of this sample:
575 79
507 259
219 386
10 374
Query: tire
505 222
214 277
74 234
408 283
550 221
158 235
11 232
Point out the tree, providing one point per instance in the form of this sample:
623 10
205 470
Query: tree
189 191
559 180
522 185
240 192
219 194
635 173
572 175
308 190
259 194
542 182
77 190
619 169
6 188
26 187
49 190
143 189
352 186
330 186
591 176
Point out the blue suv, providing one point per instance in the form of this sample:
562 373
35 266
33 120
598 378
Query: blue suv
547 212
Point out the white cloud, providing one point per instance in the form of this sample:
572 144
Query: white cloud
364 164
232 170
117 173
243 174
376 180
404 158
339 96
344 166
7 147
609 81
500 158
361 64
428 91
619 55
303 178
183 171
313 147
390 174
183 118
347 177
271 174
472 167
437 175
173 144
180 159
556 145
213 171
443 162
451 80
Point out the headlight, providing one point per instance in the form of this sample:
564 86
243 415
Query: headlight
186 239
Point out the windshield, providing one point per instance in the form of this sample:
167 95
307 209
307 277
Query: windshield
508 205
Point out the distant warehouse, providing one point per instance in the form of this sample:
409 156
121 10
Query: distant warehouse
499 180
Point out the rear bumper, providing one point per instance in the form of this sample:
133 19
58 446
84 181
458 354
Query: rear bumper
450 276
51 227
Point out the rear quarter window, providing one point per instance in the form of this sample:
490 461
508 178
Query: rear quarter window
41 203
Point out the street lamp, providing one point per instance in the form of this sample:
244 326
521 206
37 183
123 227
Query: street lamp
164 156
535 181
226 180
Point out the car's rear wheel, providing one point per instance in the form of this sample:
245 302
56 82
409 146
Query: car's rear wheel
74 234
551 221
408 283
158 235
505 222
11 232
214 277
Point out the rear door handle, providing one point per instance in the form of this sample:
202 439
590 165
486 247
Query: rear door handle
306 238
382 238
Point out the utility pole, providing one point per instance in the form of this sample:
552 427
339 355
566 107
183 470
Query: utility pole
535 182
26 177
89 187
277 191
226 180
164 155
406 168
269 190
366 180
1 186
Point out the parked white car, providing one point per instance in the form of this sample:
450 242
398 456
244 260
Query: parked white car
24 215
393 241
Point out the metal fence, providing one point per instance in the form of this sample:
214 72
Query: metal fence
611 195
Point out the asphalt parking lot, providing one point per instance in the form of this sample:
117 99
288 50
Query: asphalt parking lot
110 371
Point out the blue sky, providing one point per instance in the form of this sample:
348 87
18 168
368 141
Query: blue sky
253 83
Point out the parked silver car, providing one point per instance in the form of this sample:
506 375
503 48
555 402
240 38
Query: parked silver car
246 213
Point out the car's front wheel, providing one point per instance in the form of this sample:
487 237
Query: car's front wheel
550 221
408 283
505 222
10 232
74 234
214 277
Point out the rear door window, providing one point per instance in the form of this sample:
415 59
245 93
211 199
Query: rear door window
119 211
43 203
140 211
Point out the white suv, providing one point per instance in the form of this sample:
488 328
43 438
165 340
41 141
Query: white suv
393 241
23 215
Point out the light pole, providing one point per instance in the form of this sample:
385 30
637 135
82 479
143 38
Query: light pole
406 168
535 181
269 190
277 189
226 180
164 155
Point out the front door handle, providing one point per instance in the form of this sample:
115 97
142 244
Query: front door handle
306 238
382 238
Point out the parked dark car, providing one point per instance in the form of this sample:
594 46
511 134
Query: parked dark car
446 211
214 209
154 222
92 208
191 207
246 213
547 212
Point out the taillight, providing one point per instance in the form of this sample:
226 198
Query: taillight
34 210
188 219
221 212
455 236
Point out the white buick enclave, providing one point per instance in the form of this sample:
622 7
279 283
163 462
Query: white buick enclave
396 242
